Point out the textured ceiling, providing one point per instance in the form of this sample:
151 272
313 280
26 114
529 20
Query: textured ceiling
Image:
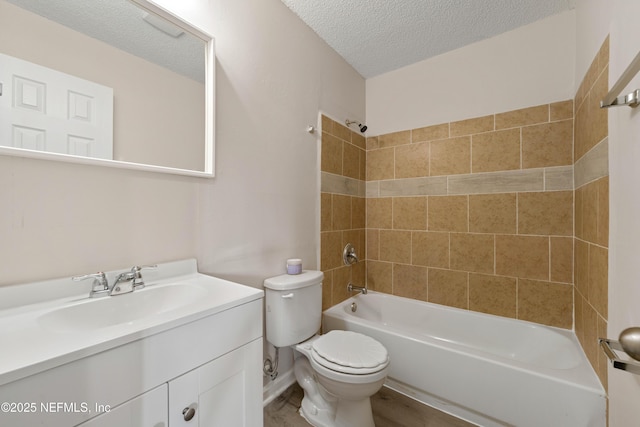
377 36
120 23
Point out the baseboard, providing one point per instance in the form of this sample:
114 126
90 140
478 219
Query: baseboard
276 387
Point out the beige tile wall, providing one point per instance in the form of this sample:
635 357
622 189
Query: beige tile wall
477 214
592 211
342 209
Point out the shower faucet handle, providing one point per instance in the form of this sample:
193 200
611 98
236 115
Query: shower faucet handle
349 255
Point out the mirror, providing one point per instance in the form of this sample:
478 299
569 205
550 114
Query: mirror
121 83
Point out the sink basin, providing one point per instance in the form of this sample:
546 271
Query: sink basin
97 313
54 322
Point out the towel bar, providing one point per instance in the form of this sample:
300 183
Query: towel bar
608 346
632 99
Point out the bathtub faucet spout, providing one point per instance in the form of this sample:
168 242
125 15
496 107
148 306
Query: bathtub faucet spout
353 288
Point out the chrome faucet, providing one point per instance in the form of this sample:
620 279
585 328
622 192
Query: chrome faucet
129 281
124 282
353 288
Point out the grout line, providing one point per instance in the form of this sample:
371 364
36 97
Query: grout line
449 249
549 277
517 213
468 213
495 255
468 307
427 212
427 273
517 300
394 162
429 162
471 153
521 150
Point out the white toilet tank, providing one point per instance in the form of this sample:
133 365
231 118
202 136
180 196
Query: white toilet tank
293 307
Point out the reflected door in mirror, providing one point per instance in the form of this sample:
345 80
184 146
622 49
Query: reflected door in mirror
45 110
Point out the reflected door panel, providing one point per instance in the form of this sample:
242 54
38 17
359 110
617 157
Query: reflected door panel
46 110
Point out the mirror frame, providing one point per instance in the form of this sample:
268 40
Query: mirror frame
209 154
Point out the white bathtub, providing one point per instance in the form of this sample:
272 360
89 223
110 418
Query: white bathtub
488 370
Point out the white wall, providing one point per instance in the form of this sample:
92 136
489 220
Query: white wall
60 219
592 27
624 239
596 19
497 75
273 76
529 66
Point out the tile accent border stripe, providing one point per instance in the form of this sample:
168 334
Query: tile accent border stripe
593 165
338 184
558 178
497 182
427 186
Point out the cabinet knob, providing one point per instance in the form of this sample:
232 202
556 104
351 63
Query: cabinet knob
188 413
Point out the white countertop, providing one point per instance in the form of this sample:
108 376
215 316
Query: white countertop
30 346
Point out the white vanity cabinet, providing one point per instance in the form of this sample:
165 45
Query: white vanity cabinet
219 393
149 409
206 357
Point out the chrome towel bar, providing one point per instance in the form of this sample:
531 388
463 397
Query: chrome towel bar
608 346
630 100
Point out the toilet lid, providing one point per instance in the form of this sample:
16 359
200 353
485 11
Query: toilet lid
350 352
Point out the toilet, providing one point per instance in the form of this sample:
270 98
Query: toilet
338 371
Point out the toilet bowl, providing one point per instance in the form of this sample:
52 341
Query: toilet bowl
338 371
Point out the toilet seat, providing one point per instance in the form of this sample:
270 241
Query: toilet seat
349 353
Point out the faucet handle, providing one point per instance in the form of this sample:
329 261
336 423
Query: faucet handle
138 283
100 283
98 277
349 255
137 268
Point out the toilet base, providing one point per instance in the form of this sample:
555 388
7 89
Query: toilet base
317 417
317 407
322 408
347 414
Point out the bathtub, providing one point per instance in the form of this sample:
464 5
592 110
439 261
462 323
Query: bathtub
488 370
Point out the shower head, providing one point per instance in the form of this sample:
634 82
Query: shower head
363 128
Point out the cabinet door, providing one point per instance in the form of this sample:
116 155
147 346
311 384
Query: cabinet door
147 410
224 392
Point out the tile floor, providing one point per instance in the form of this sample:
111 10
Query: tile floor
390 409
